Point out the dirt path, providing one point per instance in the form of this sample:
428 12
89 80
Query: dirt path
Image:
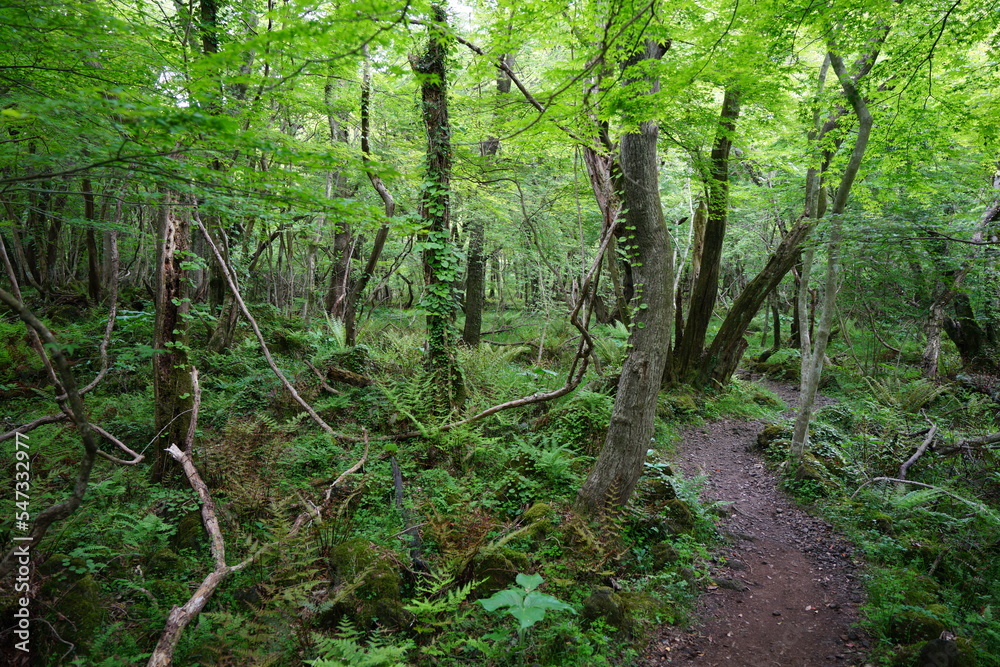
786 592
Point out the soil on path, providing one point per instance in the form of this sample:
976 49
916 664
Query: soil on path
785 591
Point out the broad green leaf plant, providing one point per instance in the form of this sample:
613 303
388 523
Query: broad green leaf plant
525 603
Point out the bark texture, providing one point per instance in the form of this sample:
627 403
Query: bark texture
706 281
619 465
172 389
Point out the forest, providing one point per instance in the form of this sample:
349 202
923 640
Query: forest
384 332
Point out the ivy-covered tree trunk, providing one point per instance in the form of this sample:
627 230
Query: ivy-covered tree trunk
440 258
172 387
706 282
619 465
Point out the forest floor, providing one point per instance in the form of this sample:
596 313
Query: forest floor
785 590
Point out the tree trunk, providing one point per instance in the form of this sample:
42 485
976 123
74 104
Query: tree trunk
440 258
973 343
475 285
724 354
172 387
475 275
619 465
812 365
93 261
936 319
706 282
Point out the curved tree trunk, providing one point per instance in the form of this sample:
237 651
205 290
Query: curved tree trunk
812 362
619 465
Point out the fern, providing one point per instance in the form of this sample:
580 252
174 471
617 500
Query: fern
347 651
434 612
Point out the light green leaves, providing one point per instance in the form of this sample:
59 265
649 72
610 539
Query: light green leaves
525 604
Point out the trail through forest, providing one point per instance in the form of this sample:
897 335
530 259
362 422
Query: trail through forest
785 591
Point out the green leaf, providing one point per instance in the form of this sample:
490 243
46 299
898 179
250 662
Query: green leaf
505 598
529 581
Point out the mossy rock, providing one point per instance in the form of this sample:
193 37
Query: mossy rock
656 490
679 518
356 359
539 520
883 522
765 399
966 653
164 561
918 625
606 605
498 570
376 599
771 436
79 603
789 368
168 592
663 554
677 407
923 591
640 605
190 533
937 653
65 567
812 469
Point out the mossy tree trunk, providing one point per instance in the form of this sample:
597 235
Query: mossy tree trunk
440 257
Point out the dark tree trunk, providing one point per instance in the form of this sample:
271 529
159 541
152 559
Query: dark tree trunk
475 285
726 350
172 387
475 275
706 284
93 261
440 258
619 465
971 339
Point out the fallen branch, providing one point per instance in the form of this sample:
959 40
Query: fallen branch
231 281
180 617
31 426
983 442
917 454
348 377
322 380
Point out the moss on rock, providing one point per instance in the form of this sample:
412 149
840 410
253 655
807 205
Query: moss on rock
498 570
164 561
606 605
190 533
77 599
917 625
375 580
